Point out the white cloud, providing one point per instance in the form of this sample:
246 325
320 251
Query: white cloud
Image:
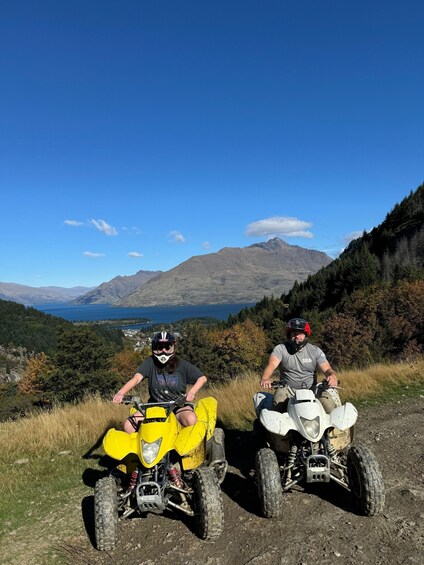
279 226
135 254
91 254
134 230
177 237
206 245
73 223
104 227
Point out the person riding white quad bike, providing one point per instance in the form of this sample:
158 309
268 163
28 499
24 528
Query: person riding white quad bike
305 445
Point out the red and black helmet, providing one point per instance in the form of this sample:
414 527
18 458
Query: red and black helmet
300 325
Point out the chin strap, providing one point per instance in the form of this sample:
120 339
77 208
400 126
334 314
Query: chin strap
293 347
162 358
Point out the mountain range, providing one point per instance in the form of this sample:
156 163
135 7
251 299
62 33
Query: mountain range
115 289
232 275
29 295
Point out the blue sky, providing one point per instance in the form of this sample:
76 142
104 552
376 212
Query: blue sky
135 135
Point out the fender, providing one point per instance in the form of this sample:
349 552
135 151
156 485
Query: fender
276 423
262 400
344 417
189 438
206 411
119 444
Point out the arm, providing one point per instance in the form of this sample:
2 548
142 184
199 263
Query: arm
137 378
273 363
329 374
195 388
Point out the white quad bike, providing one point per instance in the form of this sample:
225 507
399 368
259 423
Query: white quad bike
306 445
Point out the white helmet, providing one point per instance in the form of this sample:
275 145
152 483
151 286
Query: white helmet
163 346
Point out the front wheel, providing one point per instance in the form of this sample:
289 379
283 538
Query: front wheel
106 514
207 503
268 480
365 480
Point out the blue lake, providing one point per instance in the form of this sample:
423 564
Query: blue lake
156 315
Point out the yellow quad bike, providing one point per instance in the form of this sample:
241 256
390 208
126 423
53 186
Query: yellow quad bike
163 466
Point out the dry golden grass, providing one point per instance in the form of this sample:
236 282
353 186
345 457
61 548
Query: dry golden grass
78 426
62 428
235 406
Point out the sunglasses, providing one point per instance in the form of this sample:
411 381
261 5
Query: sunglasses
164 347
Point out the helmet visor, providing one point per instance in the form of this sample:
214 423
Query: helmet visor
162 346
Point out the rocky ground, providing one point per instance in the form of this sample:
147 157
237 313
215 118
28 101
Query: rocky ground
319 525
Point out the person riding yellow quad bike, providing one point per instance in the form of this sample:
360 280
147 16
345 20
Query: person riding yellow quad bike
163 466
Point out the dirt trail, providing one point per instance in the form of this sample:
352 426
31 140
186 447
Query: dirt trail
319 525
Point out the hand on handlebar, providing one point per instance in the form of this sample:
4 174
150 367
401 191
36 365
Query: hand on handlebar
265 383
332 381
117 399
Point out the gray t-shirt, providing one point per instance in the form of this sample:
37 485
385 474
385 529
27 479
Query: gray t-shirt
297 370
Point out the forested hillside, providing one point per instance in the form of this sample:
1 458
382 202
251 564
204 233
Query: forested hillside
22 326
367 305
45 358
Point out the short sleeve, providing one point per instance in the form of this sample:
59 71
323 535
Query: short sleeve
145 368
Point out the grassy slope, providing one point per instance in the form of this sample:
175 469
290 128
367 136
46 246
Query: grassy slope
50 462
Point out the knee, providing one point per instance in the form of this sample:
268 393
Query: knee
327 403
187 418
128 427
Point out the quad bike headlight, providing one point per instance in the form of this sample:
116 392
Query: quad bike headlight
150 450
311 427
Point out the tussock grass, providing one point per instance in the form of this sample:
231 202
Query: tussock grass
78 427
235 406
62 428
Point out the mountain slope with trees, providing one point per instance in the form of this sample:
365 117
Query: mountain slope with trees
367 305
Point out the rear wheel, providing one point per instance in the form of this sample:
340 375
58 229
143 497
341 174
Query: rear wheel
365 480
106 514
207 503
268 480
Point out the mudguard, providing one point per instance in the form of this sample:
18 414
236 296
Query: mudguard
275 422
206 411
344 417
119 444
262 400
190 437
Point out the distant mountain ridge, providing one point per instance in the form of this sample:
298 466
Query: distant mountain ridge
115 289
29 295
232 275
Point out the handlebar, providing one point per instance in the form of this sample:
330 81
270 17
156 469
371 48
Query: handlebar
323 384
179 402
